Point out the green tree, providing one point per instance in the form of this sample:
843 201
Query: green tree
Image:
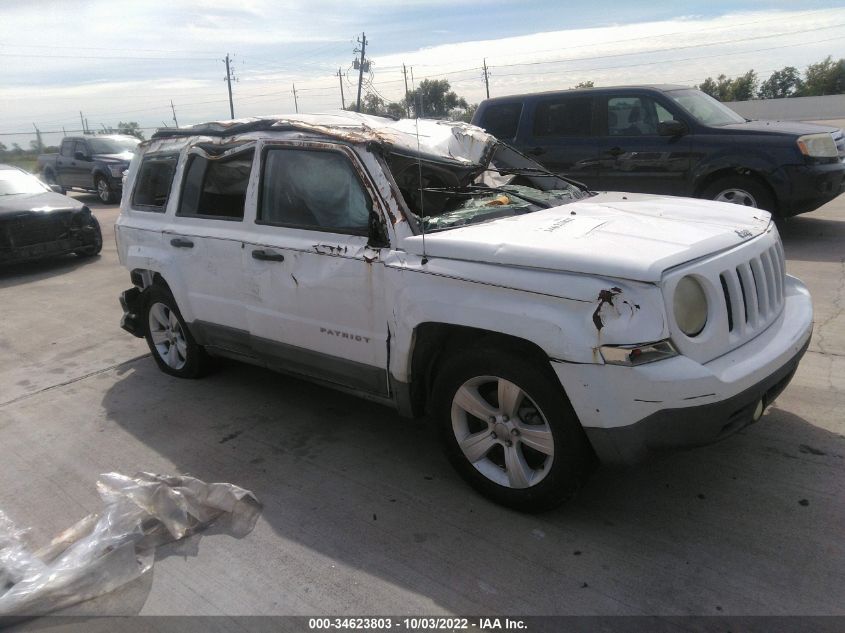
131 128
434 98
782 83
464 115
741 88
744 87
585 84
373 104
827 77
2 148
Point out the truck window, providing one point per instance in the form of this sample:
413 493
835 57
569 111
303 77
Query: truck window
67 148
502 119
216 188
80 147
567 116
313 189
632 116
152 186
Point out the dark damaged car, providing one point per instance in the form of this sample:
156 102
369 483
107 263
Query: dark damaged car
37 222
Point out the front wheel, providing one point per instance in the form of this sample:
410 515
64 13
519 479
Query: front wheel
104 190
509 430
740 190
174 349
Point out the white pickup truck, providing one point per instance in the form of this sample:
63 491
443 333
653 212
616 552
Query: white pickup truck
425 265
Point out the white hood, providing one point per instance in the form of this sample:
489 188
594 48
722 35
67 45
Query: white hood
623 235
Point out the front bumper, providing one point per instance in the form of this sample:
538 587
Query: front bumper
813 185
19 254
629 412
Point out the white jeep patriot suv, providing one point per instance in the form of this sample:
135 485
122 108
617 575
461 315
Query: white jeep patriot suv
425 265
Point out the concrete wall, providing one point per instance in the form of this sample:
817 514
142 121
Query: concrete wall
822 109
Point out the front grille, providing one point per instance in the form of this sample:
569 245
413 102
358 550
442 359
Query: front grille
753 291
36 228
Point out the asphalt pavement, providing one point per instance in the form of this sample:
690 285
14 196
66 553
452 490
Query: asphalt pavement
362 513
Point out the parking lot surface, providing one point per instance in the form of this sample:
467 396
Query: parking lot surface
362 514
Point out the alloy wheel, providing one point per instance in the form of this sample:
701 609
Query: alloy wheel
168 336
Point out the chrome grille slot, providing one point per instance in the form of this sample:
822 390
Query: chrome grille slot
745 288
753 291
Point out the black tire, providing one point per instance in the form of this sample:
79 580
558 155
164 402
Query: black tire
196 362
50 179
555 478
104 191
742 190
96 245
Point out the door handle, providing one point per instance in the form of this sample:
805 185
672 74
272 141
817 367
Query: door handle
181 242
268 256
536 151
616 151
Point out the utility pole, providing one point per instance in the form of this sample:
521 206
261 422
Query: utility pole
175 122
363 43
38 138
87 129
295 103
82 121
407 105
229 84
63 131
486 78
342 99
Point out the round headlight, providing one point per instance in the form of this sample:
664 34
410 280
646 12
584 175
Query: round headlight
690 304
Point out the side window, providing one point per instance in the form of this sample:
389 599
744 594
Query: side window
663 114
313 189
216 188
152 185
67 149
80 147
632 116
502 119
567 116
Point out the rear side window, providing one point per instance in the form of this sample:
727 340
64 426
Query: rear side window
216 188
67 148
568 116
152 186
315 190
502 119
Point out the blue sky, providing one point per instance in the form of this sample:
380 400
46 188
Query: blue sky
127 60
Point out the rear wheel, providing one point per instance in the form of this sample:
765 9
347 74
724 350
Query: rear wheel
509 430
50 179
173 348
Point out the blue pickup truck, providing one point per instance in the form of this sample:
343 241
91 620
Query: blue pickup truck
90 163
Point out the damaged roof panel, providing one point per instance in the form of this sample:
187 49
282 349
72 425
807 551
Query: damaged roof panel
443 140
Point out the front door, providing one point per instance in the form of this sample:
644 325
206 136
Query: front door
634 157
313 280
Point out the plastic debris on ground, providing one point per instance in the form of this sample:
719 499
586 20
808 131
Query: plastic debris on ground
107 550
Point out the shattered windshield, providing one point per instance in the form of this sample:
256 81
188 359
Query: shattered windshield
445 196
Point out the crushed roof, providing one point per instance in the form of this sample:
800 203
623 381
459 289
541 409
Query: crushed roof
450 140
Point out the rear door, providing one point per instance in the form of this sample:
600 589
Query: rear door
313 269
634 157
206 238
63 162
559 134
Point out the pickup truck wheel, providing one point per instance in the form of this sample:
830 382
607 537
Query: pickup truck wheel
740 190
509 430
174 349
104 190
96 243
50 179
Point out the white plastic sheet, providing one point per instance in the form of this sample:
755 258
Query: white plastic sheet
107 550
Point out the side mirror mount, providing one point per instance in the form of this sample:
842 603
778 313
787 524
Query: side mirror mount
79 156
671 128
